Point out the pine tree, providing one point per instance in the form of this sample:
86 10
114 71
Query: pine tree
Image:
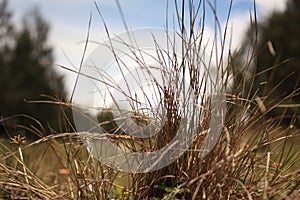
276 66
27 72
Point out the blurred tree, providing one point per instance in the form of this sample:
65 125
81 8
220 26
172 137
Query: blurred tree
6 40
276 63
6 28
26 70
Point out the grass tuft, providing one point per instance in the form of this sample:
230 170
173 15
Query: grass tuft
254 158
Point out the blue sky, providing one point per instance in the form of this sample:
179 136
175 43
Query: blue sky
69 21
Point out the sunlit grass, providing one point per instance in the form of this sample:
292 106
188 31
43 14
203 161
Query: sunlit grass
255 157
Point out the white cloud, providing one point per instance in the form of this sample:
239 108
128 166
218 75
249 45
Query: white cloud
237 28
239 21
267 6
69 41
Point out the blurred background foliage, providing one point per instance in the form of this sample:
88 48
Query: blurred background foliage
273 75
27 74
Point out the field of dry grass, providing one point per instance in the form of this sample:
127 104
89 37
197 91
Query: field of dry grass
255 157
62 168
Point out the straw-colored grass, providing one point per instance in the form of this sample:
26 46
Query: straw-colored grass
255 157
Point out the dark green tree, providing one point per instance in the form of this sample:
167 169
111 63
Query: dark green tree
275 43
27 72
6 28
6 40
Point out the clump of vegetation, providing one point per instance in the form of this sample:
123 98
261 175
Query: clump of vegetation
256 157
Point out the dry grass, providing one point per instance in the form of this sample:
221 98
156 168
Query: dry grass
255 157
240 167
